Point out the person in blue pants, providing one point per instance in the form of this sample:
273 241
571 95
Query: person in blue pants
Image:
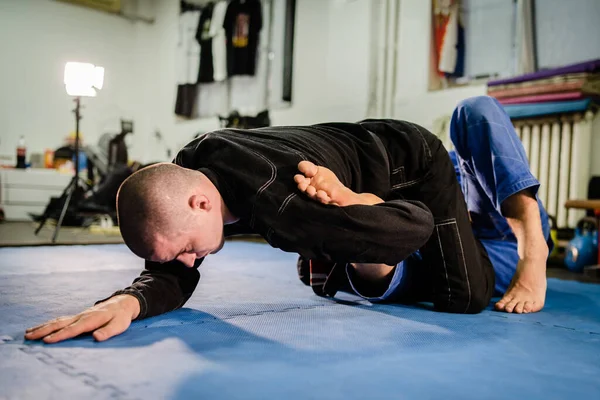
501 194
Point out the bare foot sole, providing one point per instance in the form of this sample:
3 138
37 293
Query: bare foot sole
321 184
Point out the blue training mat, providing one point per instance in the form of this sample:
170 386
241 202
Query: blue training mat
252 330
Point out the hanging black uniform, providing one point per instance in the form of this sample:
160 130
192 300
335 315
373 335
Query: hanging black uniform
243 22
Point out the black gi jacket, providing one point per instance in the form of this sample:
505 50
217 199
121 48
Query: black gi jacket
254 172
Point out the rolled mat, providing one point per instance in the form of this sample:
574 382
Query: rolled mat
542 98
587 66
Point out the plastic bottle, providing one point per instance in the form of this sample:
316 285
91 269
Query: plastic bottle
21 153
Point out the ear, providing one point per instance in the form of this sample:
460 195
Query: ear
199 202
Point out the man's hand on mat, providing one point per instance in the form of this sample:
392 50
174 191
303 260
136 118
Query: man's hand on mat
322 185
105 320
527 291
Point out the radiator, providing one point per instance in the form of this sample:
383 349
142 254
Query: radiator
559 151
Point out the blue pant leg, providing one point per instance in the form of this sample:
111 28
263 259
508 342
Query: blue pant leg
493 166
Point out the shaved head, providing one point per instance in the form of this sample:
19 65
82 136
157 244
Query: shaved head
154 201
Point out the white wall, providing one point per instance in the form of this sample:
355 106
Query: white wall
331 69
332 61
330 79
330 72
331 65
414 101
139 58
38 38
155 86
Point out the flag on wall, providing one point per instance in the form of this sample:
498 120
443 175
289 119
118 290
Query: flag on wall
448 37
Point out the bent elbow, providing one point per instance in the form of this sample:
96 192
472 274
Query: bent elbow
423 225
427 225
421 229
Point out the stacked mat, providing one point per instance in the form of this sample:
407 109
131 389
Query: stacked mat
570 88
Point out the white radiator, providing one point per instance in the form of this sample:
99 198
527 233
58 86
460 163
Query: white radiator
559 151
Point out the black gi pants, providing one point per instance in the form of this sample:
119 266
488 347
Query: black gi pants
452 269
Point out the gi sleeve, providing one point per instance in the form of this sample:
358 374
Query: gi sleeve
387 232
162 287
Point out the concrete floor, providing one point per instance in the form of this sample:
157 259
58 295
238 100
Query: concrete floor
23 234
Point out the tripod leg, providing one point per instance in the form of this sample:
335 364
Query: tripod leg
46 214
72 188
43 221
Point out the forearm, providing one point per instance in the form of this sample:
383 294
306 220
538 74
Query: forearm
375 277
523 215
351 198
368 271
162 287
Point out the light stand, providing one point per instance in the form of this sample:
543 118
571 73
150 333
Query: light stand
81 79
75 181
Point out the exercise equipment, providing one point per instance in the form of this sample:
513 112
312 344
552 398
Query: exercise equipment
582 250
593 206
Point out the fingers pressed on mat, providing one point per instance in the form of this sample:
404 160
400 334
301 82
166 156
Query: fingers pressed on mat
45 329
55 320
112 328
78 327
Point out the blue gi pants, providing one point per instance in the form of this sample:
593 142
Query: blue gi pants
491 166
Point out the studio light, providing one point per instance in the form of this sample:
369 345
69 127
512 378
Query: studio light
81 80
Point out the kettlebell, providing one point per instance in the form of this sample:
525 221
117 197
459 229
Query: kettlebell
582 250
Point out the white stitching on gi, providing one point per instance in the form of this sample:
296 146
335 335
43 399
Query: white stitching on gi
285 203
405 184
263 187
299 154
464 265
444 260
446 222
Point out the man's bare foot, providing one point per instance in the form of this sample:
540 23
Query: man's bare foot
321 184
527 291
